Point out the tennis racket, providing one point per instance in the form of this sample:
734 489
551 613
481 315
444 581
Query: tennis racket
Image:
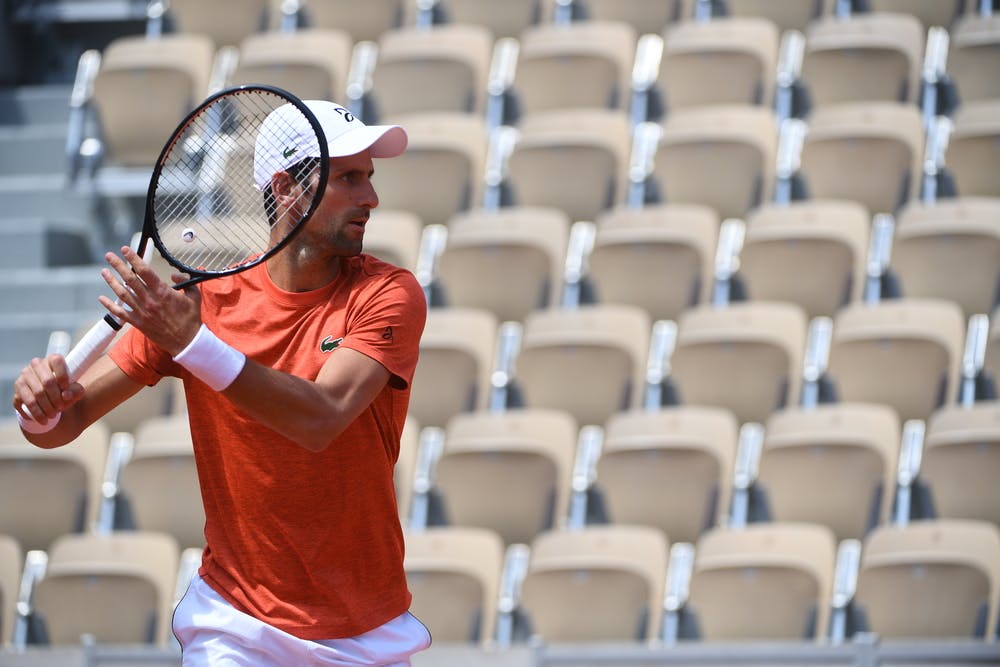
205 212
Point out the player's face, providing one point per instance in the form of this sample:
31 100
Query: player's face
339 221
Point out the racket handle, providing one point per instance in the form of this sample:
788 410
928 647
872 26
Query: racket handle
91 346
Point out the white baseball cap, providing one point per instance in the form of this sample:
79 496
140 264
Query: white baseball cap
286 137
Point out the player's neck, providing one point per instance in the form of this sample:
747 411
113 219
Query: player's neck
294 273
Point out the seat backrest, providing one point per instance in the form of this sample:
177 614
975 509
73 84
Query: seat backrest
11 561
930 578
454 576
900 352
456 357
311 63
928 12
973 56
960 461
117 587
701 147
503 19
785 568
971 156
949 249
834 464
227 22
657 257
644 17
442 68
405 468
745 357
723 61
507 471
363 21
599 583
589 361
669 468
474 269
393 235
866 152
144 88
60 485
809 252
786 15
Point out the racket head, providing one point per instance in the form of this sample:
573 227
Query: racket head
205 212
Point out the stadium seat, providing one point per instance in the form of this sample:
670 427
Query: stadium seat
228 22
441 172
669 468
11 560
723 61
971 156
866 152
657 257
701 147
579 65
783 568
900 352
644 17
589 361
502 19
868 57
311 64
949 249
364 22
456 357
61 486
393 235
160 481
833 464
118 588
809 252
598 583
930 579
454 576
437 69
575 160
745 357
973 56
474 269
402 474
961 459
507 471
786 15
928 12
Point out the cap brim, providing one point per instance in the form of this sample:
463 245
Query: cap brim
383 140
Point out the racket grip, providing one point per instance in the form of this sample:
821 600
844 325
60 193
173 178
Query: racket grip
91 346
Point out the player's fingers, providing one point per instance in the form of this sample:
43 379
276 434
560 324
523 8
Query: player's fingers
31 396
141 268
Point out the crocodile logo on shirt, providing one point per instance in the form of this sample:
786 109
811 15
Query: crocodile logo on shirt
329 344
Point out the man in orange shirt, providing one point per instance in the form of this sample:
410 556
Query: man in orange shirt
296 374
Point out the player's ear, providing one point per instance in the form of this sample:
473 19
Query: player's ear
283 185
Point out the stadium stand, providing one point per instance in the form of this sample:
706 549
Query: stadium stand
311 63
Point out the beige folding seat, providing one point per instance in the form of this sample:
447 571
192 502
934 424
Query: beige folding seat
598 583
866 152
406 463
441 172
973 56
971 156
866 58
929 12
645 17
583 64
588 361
783 568
950 249
723 61
442 68
507 471
930 578
393 235
900 352
745 357
310 63
701 147
144 89
227 22
658 257
453 372
503 19
160 481
45 493
575 160
670 468
991 361
11 560
961 460
117 587
834 464
363 21
809 252
508 261
454 576
786 15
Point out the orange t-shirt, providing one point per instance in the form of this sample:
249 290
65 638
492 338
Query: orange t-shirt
309 542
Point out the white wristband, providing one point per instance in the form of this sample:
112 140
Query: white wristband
31 426
211 360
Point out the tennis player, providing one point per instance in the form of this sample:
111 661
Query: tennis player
296 374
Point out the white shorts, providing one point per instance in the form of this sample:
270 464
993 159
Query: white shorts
214 633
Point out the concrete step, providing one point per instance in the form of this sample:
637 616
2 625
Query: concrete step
33 149
28 243
40 291
35 105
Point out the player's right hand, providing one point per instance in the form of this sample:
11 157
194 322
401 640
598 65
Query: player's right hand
42 390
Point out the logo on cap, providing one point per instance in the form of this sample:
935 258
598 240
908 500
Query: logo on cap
289 152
